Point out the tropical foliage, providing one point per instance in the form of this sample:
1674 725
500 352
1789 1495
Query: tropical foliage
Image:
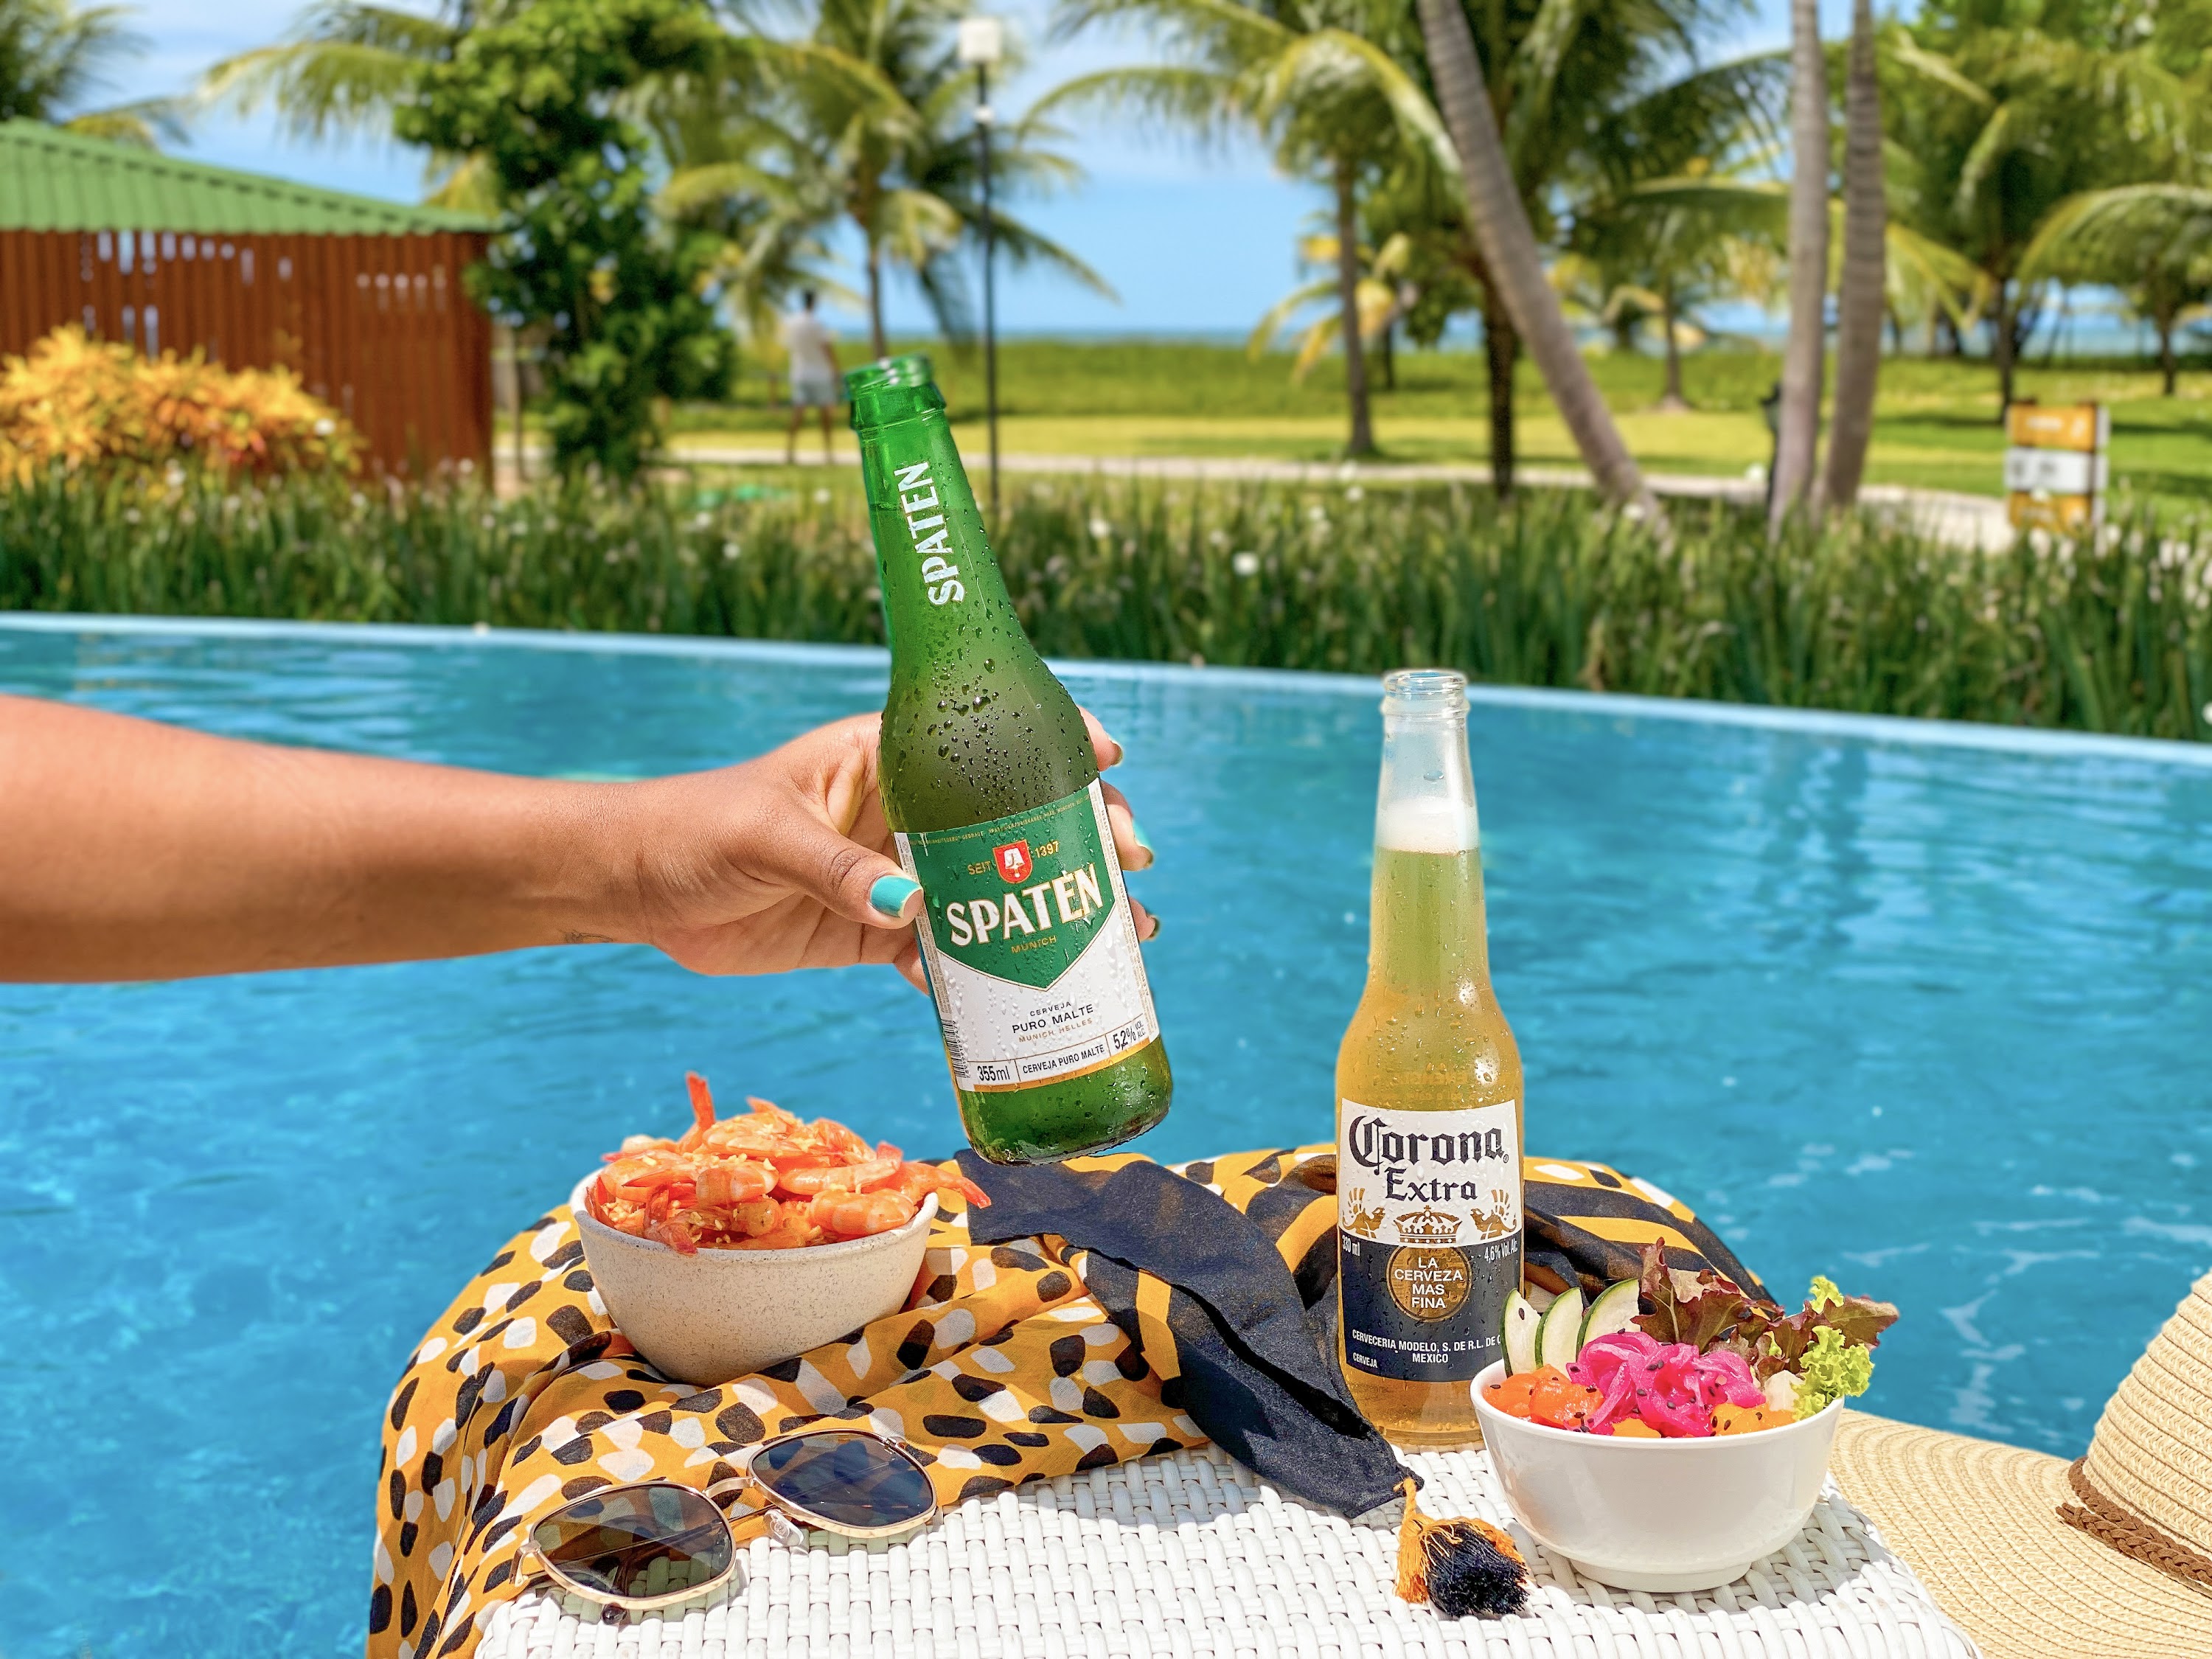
54 53
2111 634
538 94
76 405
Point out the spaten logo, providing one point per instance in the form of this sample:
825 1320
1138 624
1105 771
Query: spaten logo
1013 861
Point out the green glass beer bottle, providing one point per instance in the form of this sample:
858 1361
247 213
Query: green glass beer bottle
992 790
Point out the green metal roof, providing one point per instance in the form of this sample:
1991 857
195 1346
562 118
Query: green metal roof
55 180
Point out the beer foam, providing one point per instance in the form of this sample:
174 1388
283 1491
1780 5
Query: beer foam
1427 823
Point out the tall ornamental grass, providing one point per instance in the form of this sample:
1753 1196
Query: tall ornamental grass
2109 634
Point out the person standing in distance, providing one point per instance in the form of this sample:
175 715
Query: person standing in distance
815 383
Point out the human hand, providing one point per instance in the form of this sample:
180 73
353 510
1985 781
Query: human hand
771 865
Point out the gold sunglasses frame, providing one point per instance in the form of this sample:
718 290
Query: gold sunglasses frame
531 1560
799 1512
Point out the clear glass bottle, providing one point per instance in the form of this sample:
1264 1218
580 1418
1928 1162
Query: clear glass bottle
1429 1096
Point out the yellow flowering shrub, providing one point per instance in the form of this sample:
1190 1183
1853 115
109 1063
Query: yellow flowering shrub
83 402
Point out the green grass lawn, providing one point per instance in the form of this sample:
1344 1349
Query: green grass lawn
1936 424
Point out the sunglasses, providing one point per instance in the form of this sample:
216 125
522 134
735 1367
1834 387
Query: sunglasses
654 1545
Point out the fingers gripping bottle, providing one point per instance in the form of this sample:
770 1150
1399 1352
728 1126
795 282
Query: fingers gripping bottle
1428 1084
991 788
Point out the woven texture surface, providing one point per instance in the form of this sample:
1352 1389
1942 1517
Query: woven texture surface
1190 1553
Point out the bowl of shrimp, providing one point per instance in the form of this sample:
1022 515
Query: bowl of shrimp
754 1237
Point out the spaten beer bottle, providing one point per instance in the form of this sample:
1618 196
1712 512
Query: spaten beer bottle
1428 1084
991 789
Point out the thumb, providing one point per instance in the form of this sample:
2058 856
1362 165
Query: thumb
847 879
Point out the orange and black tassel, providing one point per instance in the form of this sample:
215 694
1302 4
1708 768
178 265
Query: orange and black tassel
1459 1567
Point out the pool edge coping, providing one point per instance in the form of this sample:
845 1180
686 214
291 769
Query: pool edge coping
1894 729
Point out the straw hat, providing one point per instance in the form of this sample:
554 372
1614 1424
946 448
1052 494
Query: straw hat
2107 1558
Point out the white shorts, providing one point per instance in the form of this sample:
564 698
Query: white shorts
815 392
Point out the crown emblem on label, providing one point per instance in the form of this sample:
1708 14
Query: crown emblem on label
1428 1227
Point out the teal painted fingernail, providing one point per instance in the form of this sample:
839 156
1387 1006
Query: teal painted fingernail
1137 833
889 894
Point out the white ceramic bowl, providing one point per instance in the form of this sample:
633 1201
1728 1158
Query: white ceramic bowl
721 1314
1658 1514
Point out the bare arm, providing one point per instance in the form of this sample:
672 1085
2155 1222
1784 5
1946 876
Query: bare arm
133 850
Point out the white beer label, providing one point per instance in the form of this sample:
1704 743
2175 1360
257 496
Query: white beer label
1030 944
1428 1237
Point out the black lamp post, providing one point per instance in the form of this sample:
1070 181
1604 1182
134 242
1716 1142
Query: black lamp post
983 43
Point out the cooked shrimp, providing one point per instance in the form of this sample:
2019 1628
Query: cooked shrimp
847 1178
672 1232
766 1179
917 1181
754 1217
732 1181
856 1215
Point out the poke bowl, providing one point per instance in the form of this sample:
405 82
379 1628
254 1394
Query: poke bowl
1674 1430
1658 1514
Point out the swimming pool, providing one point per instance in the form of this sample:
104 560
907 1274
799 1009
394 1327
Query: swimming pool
1926 1008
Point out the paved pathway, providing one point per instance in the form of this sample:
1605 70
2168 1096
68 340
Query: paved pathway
1961 519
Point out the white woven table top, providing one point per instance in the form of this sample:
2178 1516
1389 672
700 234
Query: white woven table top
1190 1553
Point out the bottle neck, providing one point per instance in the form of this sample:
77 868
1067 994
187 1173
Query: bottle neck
941 585
1427 932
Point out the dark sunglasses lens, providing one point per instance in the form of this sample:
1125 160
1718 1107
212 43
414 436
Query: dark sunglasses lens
854 1479
650 1540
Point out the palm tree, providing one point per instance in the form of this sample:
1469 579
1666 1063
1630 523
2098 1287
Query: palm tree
2152 241
51 52
869 122
1662 218
1864 287
1799 434
1511 263
346 65
1323 82
2000 122
1384 295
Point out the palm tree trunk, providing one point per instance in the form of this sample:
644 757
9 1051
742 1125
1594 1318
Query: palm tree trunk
2167 368
1361 440
1799 436
1504 349
2001 347
1671 398
1860 304
1500 219
876 337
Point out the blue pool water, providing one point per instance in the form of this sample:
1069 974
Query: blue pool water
1932 1017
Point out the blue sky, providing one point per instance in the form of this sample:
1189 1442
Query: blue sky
1190 242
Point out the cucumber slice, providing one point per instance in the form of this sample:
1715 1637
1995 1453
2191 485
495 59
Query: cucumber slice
1521 1321
1560 1337
1611 1310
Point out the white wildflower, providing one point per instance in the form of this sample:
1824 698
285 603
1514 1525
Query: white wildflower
1100 529
1317 514
821 497
1245 564
730 551
1356 493
702 521
1219 537
324 426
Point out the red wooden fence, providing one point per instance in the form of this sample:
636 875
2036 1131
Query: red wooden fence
378 327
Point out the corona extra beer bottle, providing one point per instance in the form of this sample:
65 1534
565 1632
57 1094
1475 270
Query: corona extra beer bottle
992 790
1428 1084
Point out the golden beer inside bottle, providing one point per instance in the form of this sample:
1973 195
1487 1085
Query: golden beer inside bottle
1436 1226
